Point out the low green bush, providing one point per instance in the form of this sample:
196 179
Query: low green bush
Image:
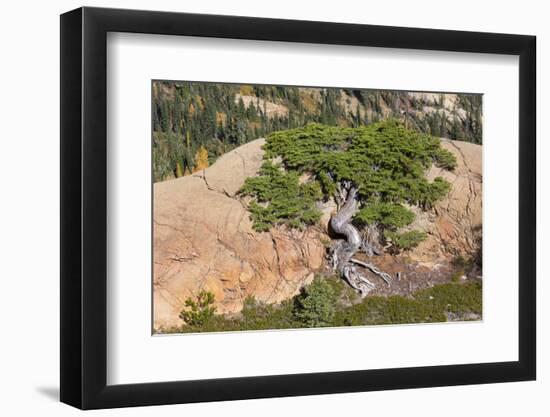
453 297
199 311
316 304
328 302
406 240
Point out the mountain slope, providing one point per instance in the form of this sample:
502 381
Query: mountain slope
203 238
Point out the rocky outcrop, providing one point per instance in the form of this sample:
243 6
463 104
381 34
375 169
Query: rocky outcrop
203 239
454 226
269 108
203 236
447 104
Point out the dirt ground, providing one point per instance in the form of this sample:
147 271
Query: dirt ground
409 276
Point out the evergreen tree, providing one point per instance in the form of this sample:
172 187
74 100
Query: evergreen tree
164 116
201 114
178 122
372 173
316 304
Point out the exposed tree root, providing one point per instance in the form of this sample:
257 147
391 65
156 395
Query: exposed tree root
385 276
341 255
357 280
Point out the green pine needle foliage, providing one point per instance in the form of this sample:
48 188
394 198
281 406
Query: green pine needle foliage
385 161
199 311
389 215
281 199
316 304
443 302
406 240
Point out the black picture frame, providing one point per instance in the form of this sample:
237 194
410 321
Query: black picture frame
84 207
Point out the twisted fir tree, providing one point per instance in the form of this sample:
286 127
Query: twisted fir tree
372 173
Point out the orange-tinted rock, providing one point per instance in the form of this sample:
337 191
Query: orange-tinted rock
454 226
203 240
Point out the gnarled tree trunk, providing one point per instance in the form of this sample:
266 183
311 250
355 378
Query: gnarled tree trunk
342 253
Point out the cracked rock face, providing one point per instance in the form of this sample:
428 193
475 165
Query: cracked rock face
454 226
203 236
203 239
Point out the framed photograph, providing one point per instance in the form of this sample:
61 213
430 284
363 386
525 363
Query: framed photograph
257 208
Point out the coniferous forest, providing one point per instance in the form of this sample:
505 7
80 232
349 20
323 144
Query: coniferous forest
196 122
330 207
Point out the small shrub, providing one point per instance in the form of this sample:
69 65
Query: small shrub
445 159
460 261
315 306
406 240
466 264
257 315
386 214
389 310
455 277
321 304
454 297
199 311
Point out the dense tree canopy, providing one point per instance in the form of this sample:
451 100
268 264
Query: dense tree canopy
280 198
188 116
384 161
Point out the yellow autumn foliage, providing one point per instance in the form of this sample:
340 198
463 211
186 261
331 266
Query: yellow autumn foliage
179 171
246 90
201 159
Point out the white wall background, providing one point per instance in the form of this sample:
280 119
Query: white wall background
29 225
